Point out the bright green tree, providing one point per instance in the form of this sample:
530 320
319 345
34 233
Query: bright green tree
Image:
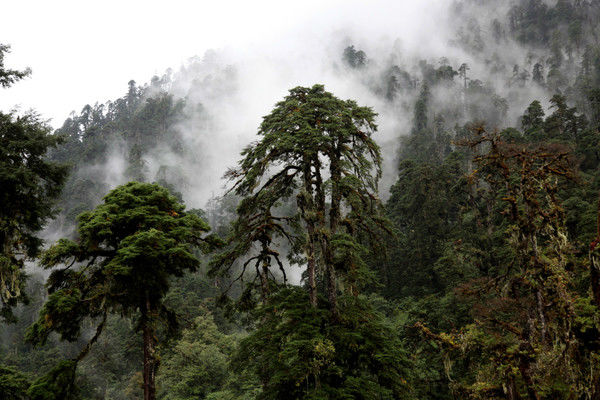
128 249
198 365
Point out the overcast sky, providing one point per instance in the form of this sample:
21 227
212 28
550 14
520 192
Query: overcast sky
82 51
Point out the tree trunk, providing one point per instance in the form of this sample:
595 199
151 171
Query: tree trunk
308 205
525 368
512 393
150 362
312 284
595 261
595 274
595 395
526 374
332 290
264 274
334 220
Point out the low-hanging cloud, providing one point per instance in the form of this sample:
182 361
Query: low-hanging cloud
228 90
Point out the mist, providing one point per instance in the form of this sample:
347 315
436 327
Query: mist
228 89
235 86
475 276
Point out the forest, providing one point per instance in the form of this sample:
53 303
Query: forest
435 236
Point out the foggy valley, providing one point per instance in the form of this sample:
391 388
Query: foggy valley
382 200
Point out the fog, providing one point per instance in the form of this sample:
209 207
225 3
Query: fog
238 85
82 53
232 62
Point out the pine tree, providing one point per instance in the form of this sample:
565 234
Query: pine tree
13 384
533 119
538 74
355 59
309 135
9 76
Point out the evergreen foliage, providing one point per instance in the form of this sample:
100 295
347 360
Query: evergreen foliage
9 76
13 384
127 250
479 278
309 136
30 185
298 353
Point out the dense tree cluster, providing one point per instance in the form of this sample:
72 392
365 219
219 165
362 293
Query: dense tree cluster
478 277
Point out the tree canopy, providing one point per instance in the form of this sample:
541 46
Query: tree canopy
477 277
30 185
127 250
317 150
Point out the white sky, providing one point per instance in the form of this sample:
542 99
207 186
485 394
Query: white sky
83 51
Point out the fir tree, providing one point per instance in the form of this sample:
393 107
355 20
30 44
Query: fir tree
317 149
128 248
